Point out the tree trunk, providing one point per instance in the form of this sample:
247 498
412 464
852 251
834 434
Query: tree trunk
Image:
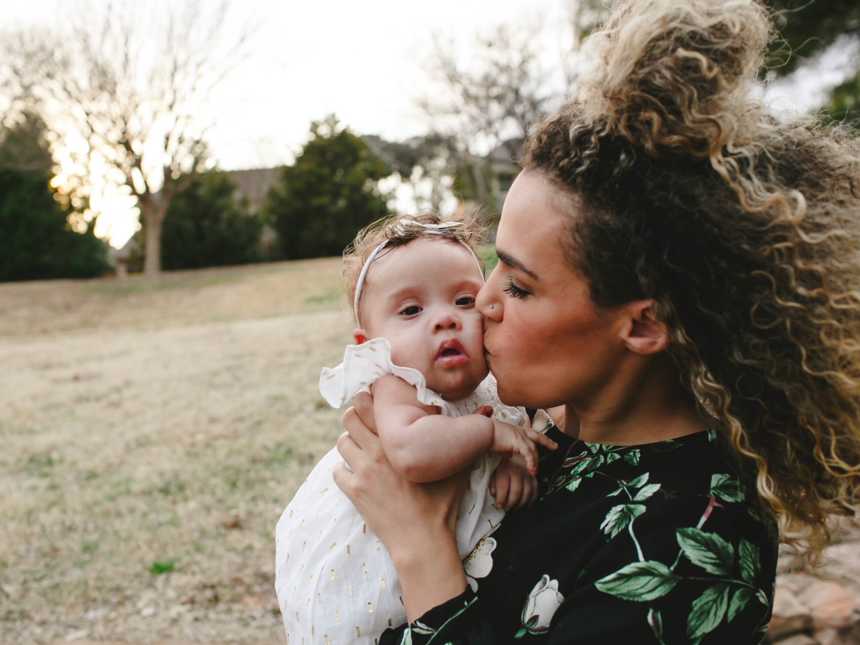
476 168
153 218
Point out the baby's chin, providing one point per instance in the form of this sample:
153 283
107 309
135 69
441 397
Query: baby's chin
457 391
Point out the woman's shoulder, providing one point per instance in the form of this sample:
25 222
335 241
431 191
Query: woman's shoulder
674 491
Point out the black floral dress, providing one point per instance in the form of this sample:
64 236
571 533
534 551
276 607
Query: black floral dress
657 543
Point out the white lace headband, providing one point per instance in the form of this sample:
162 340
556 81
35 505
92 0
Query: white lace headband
402 227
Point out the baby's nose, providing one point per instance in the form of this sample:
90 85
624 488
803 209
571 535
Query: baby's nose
447 320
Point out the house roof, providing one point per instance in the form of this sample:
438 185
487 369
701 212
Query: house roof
254 184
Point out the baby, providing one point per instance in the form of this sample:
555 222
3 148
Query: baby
419 349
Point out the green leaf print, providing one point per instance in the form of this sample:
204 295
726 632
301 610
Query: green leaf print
632 456
420 628
707 550
581 467
708 611
727 488
740 599
645 492
619 517
655 622
749 561
641 480
639 581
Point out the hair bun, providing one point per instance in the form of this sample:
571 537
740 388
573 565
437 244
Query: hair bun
674 74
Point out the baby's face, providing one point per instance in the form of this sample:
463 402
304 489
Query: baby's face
421 297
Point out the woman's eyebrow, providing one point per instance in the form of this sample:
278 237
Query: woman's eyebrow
507 260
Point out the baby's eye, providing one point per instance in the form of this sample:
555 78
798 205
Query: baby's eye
465 301
411 310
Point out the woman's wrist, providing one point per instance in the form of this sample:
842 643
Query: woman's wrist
430 572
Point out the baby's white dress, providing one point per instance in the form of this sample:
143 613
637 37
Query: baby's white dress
335 583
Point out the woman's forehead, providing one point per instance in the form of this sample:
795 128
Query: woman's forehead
533 227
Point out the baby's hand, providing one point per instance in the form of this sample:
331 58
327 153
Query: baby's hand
512 486
509 440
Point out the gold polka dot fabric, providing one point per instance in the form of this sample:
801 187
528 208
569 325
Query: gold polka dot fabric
334 580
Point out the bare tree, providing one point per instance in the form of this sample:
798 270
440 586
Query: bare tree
487 101
126 90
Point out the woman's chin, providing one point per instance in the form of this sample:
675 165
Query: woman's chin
509 397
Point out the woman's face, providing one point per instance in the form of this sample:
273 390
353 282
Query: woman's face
546 342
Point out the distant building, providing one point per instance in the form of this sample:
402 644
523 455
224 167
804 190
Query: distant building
254 184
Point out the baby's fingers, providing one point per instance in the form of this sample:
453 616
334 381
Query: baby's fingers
515 492
528 452
542 439
500 487
529 491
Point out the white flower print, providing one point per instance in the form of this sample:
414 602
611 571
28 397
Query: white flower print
479 562
541 605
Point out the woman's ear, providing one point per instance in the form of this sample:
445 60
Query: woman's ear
359 335
644 333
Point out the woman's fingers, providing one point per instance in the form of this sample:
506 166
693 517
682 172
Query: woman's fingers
349 450
360 433
344 478
363 404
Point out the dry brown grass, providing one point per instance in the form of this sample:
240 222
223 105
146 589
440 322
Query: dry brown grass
166 422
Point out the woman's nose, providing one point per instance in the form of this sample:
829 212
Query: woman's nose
487 301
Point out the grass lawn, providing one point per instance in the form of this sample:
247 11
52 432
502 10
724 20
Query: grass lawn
152 433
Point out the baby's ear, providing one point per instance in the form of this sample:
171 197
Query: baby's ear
359 335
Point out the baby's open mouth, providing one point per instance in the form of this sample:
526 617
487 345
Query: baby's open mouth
451 349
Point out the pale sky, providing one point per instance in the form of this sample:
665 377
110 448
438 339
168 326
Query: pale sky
363 61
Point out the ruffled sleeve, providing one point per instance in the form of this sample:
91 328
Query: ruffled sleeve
361 366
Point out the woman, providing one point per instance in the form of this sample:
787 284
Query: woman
679 271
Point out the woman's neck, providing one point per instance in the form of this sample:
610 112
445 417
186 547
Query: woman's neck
644 403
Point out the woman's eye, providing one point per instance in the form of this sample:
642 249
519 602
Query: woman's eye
411 310
516 292
465 301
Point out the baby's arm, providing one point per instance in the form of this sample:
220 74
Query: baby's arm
418 441
426 446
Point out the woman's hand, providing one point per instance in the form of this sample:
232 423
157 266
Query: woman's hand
412 520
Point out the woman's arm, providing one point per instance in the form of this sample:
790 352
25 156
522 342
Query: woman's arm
426 446
411 519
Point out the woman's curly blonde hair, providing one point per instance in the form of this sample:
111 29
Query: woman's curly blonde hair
745 231
398 230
